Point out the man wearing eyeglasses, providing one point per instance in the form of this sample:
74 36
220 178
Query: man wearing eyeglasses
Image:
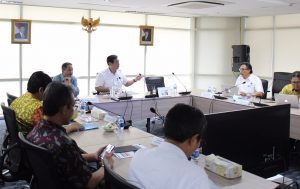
294 87
248 83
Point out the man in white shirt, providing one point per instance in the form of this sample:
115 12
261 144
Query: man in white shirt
248 83
167 166
112 76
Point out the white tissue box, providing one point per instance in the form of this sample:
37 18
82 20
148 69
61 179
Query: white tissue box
98 113
223 167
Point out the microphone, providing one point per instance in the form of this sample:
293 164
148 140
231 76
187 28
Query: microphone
181 93
156 113
128 123
231 88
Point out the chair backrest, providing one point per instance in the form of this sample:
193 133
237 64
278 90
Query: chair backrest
10 98
265 87
280 79
113 180
154 82
42 165
11 124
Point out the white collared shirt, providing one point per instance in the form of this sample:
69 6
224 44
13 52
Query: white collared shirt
166 167
253 84
107 79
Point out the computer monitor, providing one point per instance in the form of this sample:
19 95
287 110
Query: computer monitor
154 83
258 138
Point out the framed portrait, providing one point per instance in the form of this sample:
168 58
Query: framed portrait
146 35
21 31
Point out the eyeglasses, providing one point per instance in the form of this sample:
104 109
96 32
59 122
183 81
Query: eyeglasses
242 69
296 82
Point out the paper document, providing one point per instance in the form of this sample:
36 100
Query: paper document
124 155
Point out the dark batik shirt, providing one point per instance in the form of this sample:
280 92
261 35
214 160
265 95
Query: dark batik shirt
72 168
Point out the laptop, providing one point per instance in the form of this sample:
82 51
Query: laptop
229 92
287 99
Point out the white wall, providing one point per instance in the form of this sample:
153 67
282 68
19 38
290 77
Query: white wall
213 52
274 43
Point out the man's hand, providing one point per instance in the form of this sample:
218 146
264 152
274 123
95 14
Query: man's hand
243 94
67 81
138 77
72 127
100 150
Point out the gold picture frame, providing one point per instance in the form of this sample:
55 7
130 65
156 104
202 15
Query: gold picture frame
20 31
146 35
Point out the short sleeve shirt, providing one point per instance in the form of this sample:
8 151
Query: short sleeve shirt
252 84
28 111
107 79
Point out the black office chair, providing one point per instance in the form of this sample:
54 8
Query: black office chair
10 98
265 87
13 166
280 79
43 167
113 180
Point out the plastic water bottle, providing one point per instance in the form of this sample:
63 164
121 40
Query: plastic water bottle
175 89
121 123
83 107
210 89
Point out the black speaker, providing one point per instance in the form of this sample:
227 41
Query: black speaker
241 54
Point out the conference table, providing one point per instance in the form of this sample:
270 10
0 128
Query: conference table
91 140
139 108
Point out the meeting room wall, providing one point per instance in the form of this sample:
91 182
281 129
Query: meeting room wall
57 37
274 42
213 52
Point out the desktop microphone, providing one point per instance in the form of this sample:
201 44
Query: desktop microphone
181 93
156 113
128 123
231 88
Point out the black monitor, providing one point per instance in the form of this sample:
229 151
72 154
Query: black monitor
154 83
257 138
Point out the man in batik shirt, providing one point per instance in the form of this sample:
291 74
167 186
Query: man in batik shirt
72 166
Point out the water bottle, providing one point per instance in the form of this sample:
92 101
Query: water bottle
210 89
175 89
121 123
83 107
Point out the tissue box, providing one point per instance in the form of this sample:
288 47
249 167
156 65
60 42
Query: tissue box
223 167
98 113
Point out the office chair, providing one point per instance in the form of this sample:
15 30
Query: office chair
265 87
280 79
43 167
13 166
113 180
10 98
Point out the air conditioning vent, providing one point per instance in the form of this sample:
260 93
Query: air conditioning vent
198 4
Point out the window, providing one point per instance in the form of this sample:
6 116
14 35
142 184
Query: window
9 55
46 55
170 53
121 41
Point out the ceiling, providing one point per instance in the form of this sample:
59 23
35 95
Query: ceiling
231 8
